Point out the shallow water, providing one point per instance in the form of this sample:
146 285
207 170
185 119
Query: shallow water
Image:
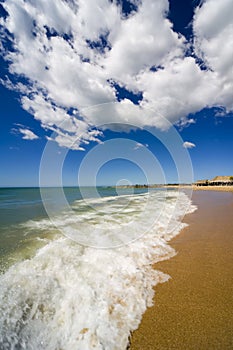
60 294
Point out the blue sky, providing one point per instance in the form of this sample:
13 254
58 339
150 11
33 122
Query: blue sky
144 65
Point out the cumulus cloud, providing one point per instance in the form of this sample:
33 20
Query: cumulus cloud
188 144
80 50
213 30
28 134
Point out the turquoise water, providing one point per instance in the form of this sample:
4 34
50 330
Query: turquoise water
21 205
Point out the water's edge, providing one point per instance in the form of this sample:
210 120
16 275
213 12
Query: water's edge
71 296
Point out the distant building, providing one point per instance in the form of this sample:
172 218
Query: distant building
216 181
221 181
201 183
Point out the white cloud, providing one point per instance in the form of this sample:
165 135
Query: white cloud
213 28
188 144
183 122
142 41
52 50
181 88
140 145
28 134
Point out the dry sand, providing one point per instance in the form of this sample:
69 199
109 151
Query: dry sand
201 188
194 309
213 188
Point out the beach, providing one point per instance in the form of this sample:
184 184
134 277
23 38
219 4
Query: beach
193 310
72 296
225 188
213 188
57 290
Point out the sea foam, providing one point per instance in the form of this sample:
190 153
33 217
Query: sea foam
70 296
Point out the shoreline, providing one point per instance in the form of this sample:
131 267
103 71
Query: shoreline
202 188
213 188
193 310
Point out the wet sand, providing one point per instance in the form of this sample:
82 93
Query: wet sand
194 309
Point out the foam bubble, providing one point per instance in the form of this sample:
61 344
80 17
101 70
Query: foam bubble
70 296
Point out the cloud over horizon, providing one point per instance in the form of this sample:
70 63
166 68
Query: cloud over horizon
67 56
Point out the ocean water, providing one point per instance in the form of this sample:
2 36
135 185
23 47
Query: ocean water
83 278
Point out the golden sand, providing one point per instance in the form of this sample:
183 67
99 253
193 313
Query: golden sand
201 188
194 309
213 188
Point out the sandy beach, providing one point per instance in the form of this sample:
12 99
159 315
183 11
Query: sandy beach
193 310
202 188
213 188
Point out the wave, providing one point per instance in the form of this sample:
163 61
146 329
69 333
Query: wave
70 296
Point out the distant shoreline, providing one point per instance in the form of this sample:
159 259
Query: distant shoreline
203 188
225 188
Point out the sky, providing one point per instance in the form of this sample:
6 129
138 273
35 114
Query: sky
105 92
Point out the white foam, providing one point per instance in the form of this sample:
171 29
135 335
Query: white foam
74 297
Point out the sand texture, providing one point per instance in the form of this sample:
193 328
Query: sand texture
194 309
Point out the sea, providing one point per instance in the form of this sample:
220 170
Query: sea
80 275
